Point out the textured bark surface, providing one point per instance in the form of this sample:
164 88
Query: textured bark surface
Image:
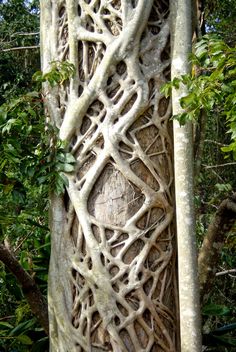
34 297
209 255
112 283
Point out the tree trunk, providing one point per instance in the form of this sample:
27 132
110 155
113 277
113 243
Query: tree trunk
190 327
32 293
209 255
112 280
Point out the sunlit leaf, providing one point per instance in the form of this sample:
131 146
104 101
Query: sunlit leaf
24 339
215 309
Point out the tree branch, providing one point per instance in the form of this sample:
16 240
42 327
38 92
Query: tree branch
24 34
31 291
226 272
215 142
20 48
219 165
213 242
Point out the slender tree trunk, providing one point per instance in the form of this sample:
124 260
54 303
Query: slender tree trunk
190 328
209 255
34 297
112 281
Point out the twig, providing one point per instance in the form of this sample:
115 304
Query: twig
8 317
214 142
22 33
20 48
21 242
225 272
219 165
215 173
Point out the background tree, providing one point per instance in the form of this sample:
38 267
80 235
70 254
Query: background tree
220 18
211 101
216 181
19 46
190 330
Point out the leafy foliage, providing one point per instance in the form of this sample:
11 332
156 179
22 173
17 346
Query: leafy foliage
29 151
211 86
19 27
33 162
22 337
223 336
220 18
60 71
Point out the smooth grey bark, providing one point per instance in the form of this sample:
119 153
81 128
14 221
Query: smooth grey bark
190 322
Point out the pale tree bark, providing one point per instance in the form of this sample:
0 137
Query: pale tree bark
190 327
112 280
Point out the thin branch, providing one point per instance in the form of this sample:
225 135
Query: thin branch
214 142
21 242
8 317
219 165
24 34
216 174
20 48
225 272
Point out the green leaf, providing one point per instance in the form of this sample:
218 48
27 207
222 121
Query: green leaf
24 260
42 179
223 187
65 167
3 114
69 158
68 168
166 89
41 345
24 339
201 49
33 94
215 309
66 158
65 179
5 326
226 341
181 118
189 101
59 186
22 327
176 82
226 149
224 329
38 76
